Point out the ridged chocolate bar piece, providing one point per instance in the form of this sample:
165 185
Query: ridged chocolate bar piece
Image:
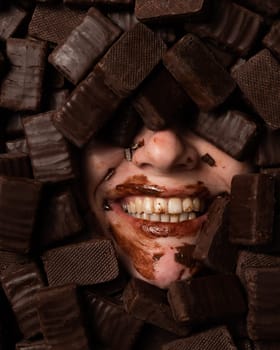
259 80
149 303
159 109
61 319
272 39
230 25
50 153
216 338
61 219
208 85
110 324
57 99
126 20
20 284
10 258
15 164
268 152
263 288
33 345
17 146
232 131
54 22
250 221
14 126
19 199
21 88
108 3
268 7
210 298
84 46
85 263
212 247
158 10
10 20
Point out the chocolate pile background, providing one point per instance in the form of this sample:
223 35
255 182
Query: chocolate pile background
79 69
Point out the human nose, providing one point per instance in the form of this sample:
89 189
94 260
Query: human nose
165 151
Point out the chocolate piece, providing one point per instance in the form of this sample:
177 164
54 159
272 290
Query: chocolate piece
259 80
14 126
49 152
206 158
215 338
10 258
227 59
268 152
152 338
159 109
17 145
3 65
84 46
268 7
266 345
149 303
57 99
251 222
34 345
54 22
61 219
230 25
208 85
21 88
233 131
203 299
126 20
212 247
263 288
10 20
272 39
107 3
84 263
19 198
20 284
109 323
15 164
61 318
157 10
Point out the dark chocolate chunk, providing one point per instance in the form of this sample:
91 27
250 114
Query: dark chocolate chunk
268 7
10 20
61 318
266 345
263 288
215 338
212 247
77 54
149 303
206 158
20 284
210 298
14 126
15 164
50 153
33 345
85 263
3 65
250 221
19 199
209 84
259 80
233 131
21 88
107 3
227 59
11 258
57 99
268 151
272 39
126 20
157 10
54 22
17 145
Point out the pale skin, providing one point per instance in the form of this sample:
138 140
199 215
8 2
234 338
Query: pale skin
166 168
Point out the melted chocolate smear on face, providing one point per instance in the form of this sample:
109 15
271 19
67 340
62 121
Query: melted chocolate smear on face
137 184
157 257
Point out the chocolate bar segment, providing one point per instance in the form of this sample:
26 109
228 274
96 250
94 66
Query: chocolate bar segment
251 222
85 44
61 318
269 7
15 164
19 200
108 3
268 151
84 263
50 153
33 345
259 80
10 20
10 258
17 146
20 284
21 88
208 85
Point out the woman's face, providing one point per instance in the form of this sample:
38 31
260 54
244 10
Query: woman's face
154 205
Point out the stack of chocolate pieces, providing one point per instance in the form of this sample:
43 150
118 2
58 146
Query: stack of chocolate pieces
73 70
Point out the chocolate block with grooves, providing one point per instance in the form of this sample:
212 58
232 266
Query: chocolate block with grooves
21 88
272 39
212 247
126 20
57 99
11 258
250 222
212 298
97 263
14 126
215 338
54 22
157 10
268 151
10 20
51 155
149 303
207 85
20 284
17 145
61 318
15 164
268 7
259 80
263 288
33 345
19 199
105 3
78 53
232 131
